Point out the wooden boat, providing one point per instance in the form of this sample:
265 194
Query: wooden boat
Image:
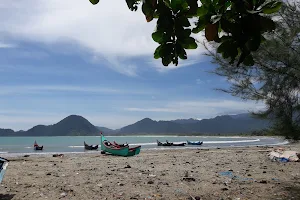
108 147
3 166
163 144
169 143
90 147
194 142
179 144
37 147
120 145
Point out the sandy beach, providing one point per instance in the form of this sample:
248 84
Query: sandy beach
229 173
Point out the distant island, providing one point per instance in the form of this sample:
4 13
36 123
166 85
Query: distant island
75 125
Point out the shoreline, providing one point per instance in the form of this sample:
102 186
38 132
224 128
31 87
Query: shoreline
41 154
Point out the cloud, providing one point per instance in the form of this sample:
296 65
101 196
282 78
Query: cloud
108 30
4 45
32 89
202 108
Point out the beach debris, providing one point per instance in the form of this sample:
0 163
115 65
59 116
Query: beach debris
281 155
58 155
63 194
127 166
234 177
26 156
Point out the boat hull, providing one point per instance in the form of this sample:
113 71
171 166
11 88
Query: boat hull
195 143
37 148
3 166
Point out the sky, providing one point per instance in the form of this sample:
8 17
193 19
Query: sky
59 58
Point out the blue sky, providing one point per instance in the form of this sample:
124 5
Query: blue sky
68 57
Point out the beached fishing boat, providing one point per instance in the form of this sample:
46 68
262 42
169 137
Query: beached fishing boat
3 166
37 147
169 144
163 144
108 147
90 147
194 142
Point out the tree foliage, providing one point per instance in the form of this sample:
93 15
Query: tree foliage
275 78
237 25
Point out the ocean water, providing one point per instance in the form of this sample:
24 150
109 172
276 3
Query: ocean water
62 144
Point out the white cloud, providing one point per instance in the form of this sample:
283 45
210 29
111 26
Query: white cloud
4 45
108 30
32 89
202 108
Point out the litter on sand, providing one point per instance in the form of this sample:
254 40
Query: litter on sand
281 155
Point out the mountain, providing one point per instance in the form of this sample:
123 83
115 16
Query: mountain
105 130
225 124
6 132
149 126
75 125
71 125
185 121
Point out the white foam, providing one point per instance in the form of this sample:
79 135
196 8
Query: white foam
27 147
76 146
226 142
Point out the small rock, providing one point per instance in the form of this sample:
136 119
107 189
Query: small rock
197 198
63 194
120 184
150 182
189 179
264 172
127 166
26 156
230 170
249 175
99 185
48 174
263 181
224 189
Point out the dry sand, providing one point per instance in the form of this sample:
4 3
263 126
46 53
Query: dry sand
154 175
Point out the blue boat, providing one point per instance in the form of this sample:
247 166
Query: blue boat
3 166
194 142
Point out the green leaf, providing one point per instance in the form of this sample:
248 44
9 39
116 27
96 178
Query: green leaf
158 36
266 24
183 21
157 52
189 43
272 7
180 51
148 11
94 1
132 4
254 43
166 60
248 61
201 11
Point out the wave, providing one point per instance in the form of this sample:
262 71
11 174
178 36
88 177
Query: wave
76 146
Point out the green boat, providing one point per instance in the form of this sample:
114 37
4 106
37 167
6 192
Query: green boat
108 147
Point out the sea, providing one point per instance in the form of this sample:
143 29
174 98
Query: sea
74 144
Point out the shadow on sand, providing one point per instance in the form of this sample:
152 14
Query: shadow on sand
6 196
293 191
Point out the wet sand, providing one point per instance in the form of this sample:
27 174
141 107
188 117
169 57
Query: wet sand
229 173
